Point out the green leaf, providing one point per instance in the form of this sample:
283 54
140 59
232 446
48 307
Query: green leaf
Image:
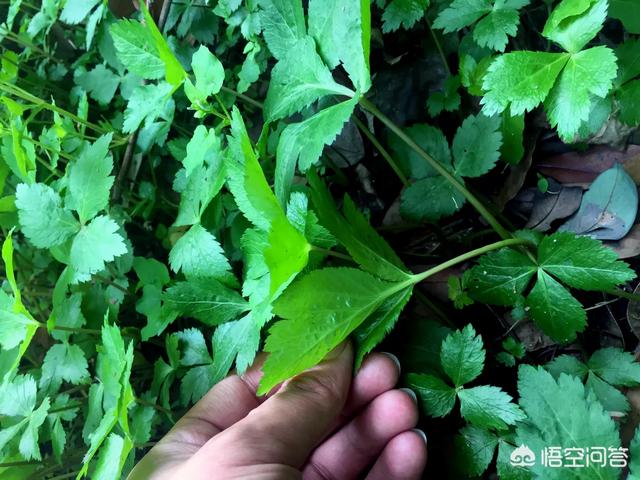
556 412
436 397
402 13
298 80
555 310
462 355
443 199
353 231
628 55
150 271
615 366
236 341
512 127
574 23
628 12
498 20
342 31
302 143
379 324
283 25
43 231
204 299
174 73
198 254
489 407
64 362
628 97
587 73
634 450
319 311
569 365
476 146
582 262
100 83
431 140
136 49
89 180
474 449
520 80
111 458
75 11
447 100
95 245
500 277
610 397
14 327
144 105
209 74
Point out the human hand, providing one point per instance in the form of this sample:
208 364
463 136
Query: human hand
320 425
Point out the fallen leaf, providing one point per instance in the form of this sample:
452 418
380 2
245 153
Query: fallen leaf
629 246
608 209
584 167
556 203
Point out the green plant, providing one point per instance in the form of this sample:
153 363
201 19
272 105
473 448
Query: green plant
171 203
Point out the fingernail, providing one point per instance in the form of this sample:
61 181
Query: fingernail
395 360
422 434
411 393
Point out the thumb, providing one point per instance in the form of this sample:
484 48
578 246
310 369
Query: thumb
289 425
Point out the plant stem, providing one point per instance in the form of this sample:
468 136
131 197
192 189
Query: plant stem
243 97
510 242
621 293
439 47
374 141
19 464
331 253
89 331
65 408
160 408
438 167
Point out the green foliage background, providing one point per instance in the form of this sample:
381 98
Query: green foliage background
170 205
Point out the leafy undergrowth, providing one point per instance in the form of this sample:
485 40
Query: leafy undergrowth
184 186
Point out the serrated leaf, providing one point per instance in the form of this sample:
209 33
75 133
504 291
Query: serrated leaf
403 13
610 397
489 407
574 23
143 105
64 362
379 324
136 49
302 143
342 30
615 366
298 80
198 254
95 245
110 460
474 449
204 299
476 145
556 412
43 231
520 80
89 180
586 73
500 277
436 397
429 199
628 97
238 342
283 25
209 74
498 20
100 83
582 262
319 311
75 11
353 231
462 355
569 365
431 140
554 309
